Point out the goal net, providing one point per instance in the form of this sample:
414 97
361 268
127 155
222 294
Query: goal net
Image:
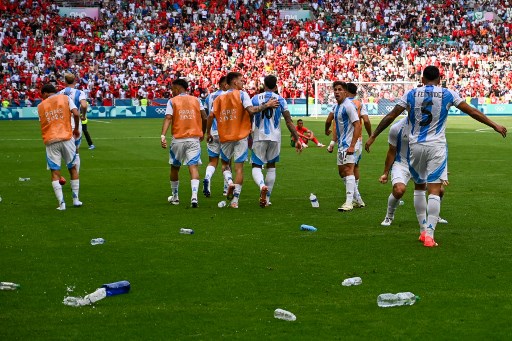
378 97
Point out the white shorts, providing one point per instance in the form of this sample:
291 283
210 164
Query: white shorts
265 152
214 146
358 151
400 173
57 151
185 152
344 158
238 150
78 141
428 163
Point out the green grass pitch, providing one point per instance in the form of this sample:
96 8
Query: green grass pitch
226 280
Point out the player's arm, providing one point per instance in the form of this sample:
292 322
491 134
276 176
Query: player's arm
76 118
367 124
203 123
328 123
480 117
289 124
384 123
209 123
83 109
390 158
253 109
166 124
165 127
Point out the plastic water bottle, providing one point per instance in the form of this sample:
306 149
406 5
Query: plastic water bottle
186 231
352 281
284 315
117 288
9 286
93 297
305 227
222 204
314 200
24 179
97 241
394 300
401 202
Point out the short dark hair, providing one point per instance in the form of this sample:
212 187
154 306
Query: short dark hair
270 81
352 88
232 76
180 82
299 120
222 80
342 84
48 89
431 73
69 78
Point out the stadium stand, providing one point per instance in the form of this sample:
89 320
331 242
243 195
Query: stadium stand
136 48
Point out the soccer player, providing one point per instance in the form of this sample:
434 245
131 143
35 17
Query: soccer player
187 116
396 161
305 135
214 144
427 108
267 138
233 111
80 100
55 113
348 129
363 118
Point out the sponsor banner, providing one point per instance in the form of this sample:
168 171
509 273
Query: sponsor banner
294 14
79 12
382 108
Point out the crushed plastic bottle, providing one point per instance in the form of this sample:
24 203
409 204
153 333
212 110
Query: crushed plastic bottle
24 179
89 299
395 300
352 281
305 227
282 314
314 200
186 231
222 204
401 202
9 286
97 241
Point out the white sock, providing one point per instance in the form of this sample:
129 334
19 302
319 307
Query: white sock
433 208
75 187
77 163
194 183
209 172
238 190
350 184
420 205
270 180
357 195
257 175
228 177
392 205
174 187
57 188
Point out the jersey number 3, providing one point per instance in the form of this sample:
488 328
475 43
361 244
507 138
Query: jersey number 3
426 115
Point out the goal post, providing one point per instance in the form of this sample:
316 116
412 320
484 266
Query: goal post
378 97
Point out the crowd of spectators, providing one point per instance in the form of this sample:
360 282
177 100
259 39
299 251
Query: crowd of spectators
136 48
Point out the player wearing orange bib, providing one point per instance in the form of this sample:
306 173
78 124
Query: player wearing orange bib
55 118
187 116
233 111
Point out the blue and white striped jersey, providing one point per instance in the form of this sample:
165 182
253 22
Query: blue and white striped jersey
345 114
399 139
428 108
209 107
266 124
75 96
